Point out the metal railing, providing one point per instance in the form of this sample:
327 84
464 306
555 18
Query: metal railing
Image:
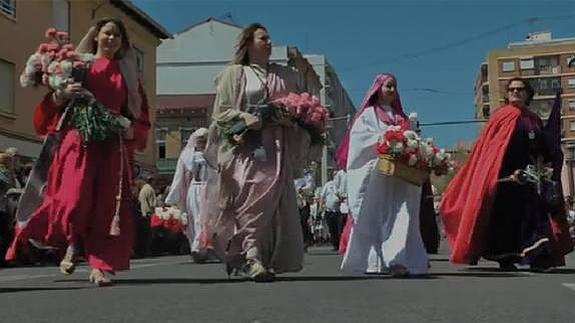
166 166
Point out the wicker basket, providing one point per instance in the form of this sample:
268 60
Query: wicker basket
389 167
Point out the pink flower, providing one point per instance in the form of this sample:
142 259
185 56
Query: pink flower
50 33
43 48
62 35
78 64
53 47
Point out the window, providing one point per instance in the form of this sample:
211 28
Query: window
572 125
571 104
571 59
486 111
508 66
8 7
161 134
61 15
7 87
571 83
140 60
526 64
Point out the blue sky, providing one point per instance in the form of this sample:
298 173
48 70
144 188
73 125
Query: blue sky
436 45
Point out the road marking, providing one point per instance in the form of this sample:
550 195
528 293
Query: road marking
80 270
571 286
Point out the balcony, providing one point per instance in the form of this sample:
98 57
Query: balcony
548 70
166 166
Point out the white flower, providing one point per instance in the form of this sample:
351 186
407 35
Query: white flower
410 134
52 67
397 148
66 69
412 143
86 57
56 82
412 160
124 122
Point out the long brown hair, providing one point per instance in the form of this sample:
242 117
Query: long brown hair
244 40
123 32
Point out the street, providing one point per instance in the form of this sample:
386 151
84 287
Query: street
173 289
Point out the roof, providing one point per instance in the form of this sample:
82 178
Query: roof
557 41
209 20
142 18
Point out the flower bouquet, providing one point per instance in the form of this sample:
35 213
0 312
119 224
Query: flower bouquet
303 109
307 111
55 64
169 218
405 155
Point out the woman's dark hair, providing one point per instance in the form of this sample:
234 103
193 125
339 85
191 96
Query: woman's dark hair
123 32
528 89
244 40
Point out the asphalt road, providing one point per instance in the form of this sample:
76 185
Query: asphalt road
172 289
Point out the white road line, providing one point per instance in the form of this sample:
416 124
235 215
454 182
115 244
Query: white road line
79 270
571 286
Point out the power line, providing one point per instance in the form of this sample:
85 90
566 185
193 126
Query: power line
449 123
433 50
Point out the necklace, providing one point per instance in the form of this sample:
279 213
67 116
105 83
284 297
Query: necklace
262 78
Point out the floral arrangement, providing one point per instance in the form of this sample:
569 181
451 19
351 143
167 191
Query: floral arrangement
169 218
55 65
405 145
307 111
53 62
303 109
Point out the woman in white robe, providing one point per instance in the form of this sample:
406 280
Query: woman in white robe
385 236
187 188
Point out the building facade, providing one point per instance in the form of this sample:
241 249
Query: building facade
544 62
187 67
334 96
28 20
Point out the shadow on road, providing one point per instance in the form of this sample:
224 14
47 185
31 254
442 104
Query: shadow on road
6 290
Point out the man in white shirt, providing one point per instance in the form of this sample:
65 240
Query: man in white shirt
330 201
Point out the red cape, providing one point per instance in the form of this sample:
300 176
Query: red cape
469 197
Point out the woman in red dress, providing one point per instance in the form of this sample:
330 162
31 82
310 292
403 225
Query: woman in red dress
87 196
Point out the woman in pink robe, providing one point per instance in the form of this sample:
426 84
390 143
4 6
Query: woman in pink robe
252 212
87 195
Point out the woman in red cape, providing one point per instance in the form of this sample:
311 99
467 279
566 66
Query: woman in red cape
505 221
87 195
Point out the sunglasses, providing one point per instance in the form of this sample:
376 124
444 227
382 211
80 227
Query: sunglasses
518 89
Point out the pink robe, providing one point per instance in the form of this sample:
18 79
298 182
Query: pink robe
83 182
258 219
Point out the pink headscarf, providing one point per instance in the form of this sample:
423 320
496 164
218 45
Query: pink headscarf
342 152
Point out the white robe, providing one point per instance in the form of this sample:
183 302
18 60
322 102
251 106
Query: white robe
385 209
186 191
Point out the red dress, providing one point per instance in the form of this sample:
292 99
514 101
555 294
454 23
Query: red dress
84 180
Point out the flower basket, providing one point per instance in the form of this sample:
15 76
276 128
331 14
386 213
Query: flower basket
390 167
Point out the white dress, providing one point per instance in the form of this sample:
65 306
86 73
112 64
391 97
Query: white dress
385 209
186 191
